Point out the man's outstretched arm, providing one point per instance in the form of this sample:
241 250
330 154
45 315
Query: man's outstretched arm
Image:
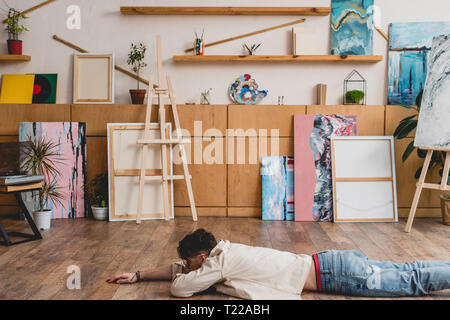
161 273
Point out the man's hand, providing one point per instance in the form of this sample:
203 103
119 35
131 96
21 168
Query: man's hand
128 278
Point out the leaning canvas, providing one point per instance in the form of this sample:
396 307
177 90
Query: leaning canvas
433 129
312 165
352 27
277 188
409 49
71 137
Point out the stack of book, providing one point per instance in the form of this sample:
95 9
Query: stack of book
14 179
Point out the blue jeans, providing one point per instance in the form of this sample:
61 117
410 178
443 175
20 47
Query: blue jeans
348 272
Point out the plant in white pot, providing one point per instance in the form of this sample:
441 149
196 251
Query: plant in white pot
40 158
135 60
14 29
97 196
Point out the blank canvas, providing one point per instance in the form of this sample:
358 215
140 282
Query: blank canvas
305 41
124 154
364 179
93 78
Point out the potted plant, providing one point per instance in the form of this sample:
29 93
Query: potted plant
354 97
135 61
97 196
39 159
405 127
14 28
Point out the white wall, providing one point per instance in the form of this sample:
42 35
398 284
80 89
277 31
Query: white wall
104 28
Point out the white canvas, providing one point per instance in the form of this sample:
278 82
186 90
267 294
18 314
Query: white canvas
433 130
364 183
305 41
124 190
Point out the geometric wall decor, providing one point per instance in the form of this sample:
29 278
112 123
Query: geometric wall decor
17 88
352 27
44 91
71 164
409 49
364 179
433 129
312 164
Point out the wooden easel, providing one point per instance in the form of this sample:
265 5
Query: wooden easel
161 93
421 184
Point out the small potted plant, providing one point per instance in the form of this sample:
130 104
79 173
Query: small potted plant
136 62
354 97
97 196
14 29
405 127
39 159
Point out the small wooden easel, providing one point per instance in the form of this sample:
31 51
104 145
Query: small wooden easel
421 184
160 93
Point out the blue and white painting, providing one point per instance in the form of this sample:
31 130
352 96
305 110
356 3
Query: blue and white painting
277 188
433 129
409 49
352 27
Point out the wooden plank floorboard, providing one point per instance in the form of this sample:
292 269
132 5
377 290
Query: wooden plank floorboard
38 270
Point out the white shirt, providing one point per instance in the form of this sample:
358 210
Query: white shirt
246 272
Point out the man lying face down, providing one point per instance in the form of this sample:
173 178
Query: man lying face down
266 274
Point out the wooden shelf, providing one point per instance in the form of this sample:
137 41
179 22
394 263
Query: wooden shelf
233 11
279 58
14 57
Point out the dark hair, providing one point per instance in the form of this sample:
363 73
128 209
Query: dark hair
193 243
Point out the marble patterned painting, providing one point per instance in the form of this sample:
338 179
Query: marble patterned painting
277 188
71 164
409 49
352 27
312 166
433 129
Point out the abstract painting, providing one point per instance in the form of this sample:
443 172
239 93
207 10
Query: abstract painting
352 27
277 188
17 88
44 90
71 137
313 174
433 129
409 49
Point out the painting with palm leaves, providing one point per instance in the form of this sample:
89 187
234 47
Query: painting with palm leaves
68 169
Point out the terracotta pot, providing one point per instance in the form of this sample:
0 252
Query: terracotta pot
445 207
138 96
15 47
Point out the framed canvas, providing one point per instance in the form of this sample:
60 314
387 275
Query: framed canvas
313 190
70 161
433 128
409 49
124 157
352 27
364 187
93 78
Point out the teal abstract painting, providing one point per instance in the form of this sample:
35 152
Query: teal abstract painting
352 27
409 49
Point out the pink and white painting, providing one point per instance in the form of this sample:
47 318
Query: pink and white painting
71 140
312 164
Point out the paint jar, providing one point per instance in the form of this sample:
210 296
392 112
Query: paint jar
199 47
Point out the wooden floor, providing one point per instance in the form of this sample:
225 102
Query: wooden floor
37 270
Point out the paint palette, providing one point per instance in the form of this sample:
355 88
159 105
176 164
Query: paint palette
244 90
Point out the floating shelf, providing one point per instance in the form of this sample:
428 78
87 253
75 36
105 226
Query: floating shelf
233 11
14 57
279 58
